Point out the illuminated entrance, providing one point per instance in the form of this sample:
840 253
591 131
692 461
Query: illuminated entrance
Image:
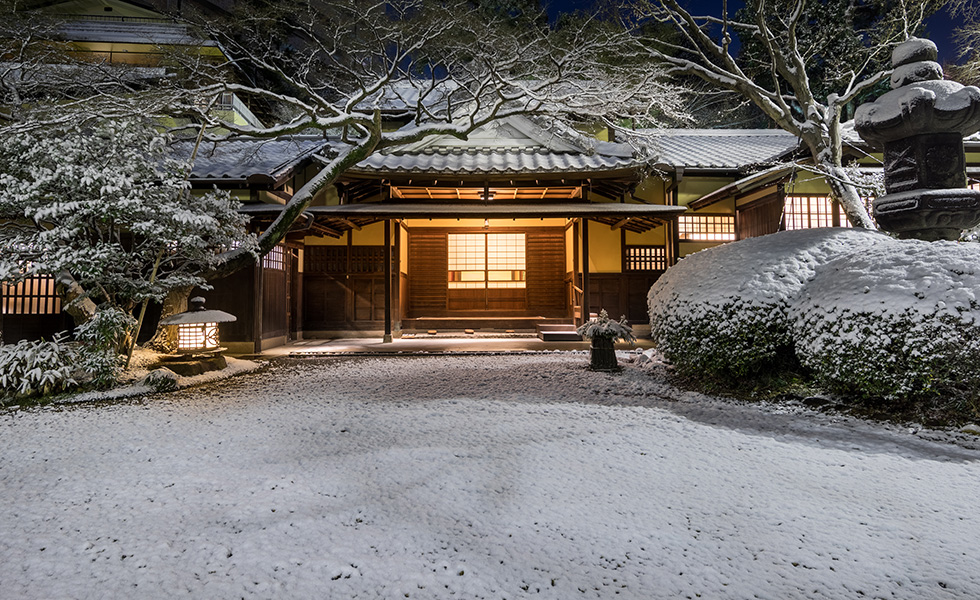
487 271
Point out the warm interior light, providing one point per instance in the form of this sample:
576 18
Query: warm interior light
197 337
487 260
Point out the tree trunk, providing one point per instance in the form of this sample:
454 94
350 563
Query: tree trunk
845 192
74 298
165 338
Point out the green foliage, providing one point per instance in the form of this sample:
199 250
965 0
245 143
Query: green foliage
33 368
106 202
893 356
603 327
733 339
161 380
104 339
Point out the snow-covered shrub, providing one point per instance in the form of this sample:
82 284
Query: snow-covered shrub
605 327
161 380
898 320
30 368
103 339
723 311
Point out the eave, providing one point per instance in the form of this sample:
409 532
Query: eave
334 220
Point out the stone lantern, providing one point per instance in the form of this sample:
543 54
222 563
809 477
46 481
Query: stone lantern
921 124
197 328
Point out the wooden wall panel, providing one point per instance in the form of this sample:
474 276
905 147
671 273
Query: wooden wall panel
622 294
428 263
274 303
233 294
546 291
760 218
324 302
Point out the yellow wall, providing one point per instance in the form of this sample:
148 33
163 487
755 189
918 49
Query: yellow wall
807 183
692 247
654 237
605 254
653 190
692 188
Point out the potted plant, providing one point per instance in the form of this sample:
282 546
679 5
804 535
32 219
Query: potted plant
604 332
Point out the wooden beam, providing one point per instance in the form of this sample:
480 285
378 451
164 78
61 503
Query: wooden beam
350 223
619 223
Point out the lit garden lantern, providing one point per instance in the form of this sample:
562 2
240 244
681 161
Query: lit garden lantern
197 328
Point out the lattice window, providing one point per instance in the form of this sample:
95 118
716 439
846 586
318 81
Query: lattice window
807 212
275 259
33 296
646 258
706 228
487 260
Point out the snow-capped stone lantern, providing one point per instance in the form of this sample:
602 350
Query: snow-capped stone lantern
197 328
921 124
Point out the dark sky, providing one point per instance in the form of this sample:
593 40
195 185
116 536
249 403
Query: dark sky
939 27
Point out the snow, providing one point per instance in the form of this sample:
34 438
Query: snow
475 477
725 308
866 313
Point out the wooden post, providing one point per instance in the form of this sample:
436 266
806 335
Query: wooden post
586 306
397 284
387 338
257 306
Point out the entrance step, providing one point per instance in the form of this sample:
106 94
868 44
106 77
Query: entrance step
558 332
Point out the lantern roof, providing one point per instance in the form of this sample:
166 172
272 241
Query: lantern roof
198 314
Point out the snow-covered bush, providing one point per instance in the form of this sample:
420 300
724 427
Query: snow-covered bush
898 320
30 368
723 311
606 328
104 339
161 380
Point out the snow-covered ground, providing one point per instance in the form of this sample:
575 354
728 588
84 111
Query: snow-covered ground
476 477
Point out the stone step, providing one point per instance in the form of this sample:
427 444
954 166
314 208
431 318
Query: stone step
558 332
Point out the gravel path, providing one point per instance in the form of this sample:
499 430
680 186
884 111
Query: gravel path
475 477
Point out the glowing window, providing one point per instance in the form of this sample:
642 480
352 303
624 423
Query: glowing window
487 260
646 258
32 296
275 259
807 212
706 228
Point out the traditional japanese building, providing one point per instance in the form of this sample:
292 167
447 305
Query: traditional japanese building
524 225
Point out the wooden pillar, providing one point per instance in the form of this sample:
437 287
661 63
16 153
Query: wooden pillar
586 306
257 306
387 338
397 284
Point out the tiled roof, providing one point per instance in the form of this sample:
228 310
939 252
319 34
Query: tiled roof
485 161
133 32
242 159
717 148
515 145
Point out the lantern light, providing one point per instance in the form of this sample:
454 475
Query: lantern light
197 328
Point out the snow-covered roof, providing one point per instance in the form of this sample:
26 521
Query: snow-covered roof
723 149
409 94
131 32
512 146
252 160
